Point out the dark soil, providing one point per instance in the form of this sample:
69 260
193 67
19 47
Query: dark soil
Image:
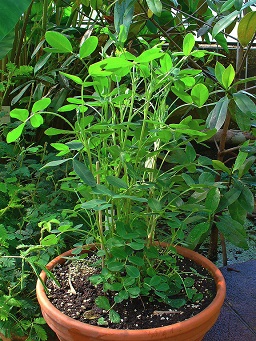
76 295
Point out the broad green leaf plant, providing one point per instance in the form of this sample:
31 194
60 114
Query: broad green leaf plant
136 175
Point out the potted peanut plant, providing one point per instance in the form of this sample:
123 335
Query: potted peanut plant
136 178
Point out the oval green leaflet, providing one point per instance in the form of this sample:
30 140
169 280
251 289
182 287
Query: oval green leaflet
14 134
188 44
58 42
88 47
199 94
41 104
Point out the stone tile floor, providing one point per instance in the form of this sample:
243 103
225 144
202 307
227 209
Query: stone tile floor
237 321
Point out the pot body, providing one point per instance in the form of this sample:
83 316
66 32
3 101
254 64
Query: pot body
193 329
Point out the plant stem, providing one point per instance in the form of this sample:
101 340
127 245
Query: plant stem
100 225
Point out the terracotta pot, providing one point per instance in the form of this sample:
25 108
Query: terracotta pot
193 329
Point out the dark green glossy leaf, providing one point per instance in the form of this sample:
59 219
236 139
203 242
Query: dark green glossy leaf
240 159
20 94
119 252
121 296
233 231
137 245
229 198
134 292
222 41
123 15
218 115
177 302
246 166
246 28
220 166
227 5
6 44
155 280
224 22
101 189
246 199
237 212
212 199
41 62
244 103
84 173
243 120
197 232
155 6
10 13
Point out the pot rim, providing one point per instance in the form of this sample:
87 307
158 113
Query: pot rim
204 315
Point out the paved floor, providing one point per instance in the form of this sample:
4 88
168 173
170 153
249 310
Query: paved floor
237 321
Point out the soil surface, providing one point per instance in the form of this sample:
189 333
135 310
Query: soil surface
76 296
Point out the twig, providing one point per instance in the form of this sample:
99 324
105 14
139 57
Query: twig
72 289
161 312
